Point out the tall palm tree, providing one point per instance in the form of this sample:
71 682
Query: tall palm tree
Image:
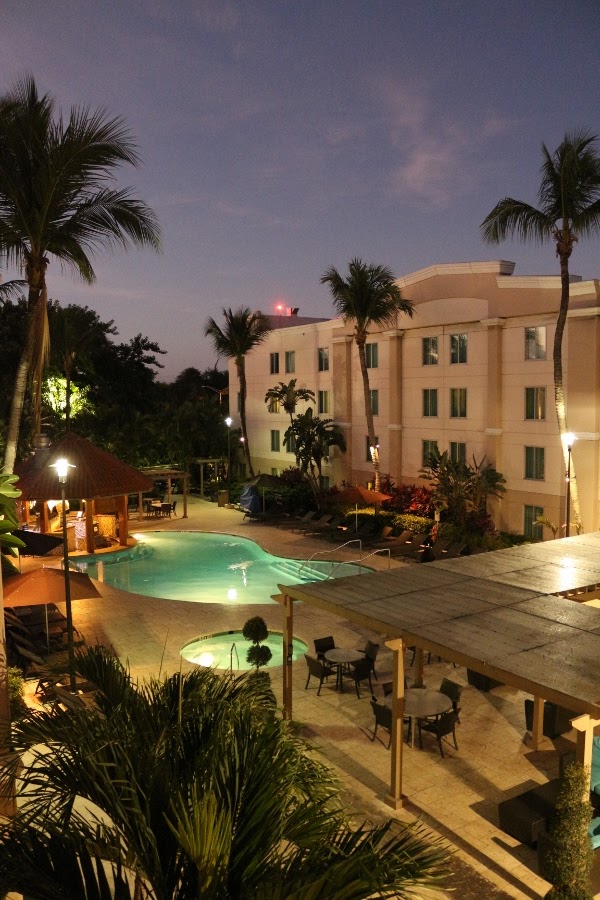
569 206
56 202
202 791
242 332
290 396
313 439
369 297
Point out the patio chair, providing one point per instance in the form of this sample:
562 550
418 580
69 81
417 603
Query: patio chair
322 645
174 507
312 527
371 650
440 727
452 690
383 717
359 671
317 669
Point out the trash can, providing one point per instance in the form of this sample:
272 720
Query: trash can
222 498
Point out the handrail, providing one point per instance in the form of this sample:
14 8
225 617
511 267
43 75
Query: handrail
334 550
233 647
381 550
360 561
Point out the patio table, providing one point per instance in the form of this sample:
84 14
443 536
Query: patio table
340 657
422 703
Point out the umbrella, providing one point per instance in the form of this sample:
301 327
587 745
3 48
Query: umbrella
263 482
45 585
36 544
360 496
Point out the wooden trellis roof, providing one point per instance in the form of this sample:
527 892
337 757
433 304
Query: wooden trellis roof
496 613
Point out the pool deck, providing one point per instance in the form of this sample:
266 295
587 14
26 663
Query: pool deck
456 797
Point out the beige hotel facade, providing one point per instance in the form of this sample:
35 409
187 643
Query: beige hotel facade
470 372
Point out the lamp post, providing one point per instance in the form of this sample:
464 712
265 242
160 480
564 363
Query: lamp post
62 467
569 440
228 422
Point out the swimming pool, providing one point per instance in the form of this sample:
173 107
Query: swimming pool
227 650
204 568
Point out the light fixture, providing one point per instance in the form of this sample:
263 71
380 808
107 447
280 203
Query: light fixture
62 467
569 439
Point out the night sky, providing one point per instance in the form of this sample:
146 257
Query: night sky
279 138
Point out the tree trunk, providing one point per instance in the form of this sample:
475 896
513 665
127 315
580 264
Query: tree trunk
564 251
360 343
16 409
241 370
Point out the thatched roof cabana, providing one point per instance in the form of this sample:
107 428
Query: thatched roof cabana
96 475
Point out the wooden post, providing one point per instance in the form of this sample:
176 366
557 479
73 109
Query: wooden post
90 541
396 799
584 726
288 637
537 731
122 519
185 494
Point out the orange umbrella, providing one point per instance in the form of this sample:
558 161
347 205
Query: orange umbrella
360 496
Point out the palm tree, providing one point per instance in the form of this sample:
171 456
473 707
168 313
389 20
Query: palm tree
55 202
198 790
569 206
313 438
242 332
289 396
368 296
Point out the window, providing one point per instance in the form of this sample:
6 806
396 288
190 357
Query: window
323 402
458 348
324 482
375 402
273 406
458 403
275 472
290 362
369 458
291 442
274 363
531 528
372 356
534 462
275 441
458 452
430 351
535 342
535 403
430 406
430 448
323 359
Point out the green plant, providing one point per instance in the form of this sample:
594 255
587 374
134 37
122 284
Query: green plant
569 855
16 683
255 630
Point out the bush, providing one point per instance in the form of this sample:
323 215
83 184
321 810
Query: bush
255 630
16 683
569 855
407 522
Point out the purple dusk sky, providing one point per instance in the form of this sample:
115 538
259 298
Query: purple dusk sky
280 137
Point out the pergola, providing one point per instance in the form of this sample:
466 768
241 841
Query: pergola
168 474
505 614
96 475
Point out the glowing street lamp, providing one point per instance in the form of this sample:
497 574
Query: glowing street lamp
228 422
62 467
569 440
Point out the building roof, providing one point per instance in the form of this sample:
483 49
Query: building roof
96 473
496 613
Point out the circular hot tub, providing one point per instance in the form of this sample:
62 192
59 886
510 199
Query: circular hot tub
227 650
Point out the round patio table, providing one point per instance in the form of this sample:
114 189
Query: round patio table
422 703
340 657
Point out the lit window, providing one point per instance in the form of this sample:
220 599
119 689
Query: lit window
430 450
458 348
273 406
369 458
275 441
535 342
430 351
290 362
430 402
535 463
323 359
375 403
274 363
458 452
458 403
372 355
532 528
275 472
323 402
535 403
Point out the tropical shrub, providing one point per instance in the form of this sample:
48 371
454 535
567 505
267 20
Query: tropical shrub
568 856
255 630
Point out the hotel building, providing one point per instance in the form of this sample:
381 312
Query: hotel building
471 372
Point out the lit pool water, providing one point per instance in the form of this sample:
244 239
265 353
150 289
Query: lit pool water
204 568
227 650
